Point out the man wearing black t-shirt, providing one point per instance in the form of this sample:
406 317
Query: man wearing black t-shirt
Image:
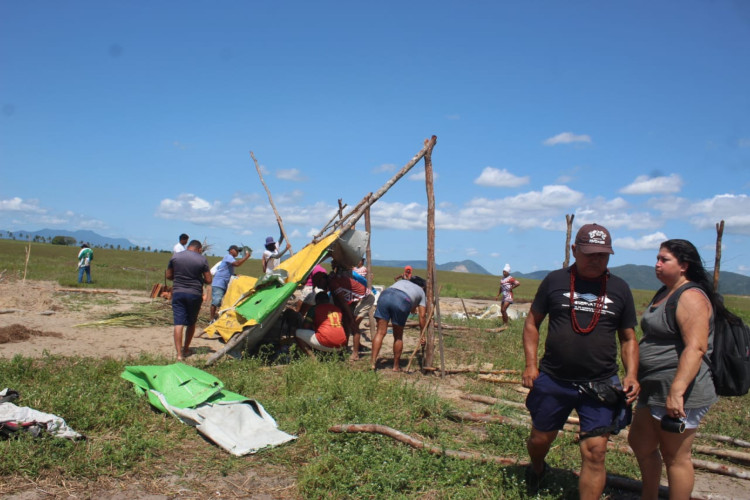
589 310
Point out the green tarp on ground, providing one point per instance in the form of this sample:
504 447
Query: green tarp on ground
197 398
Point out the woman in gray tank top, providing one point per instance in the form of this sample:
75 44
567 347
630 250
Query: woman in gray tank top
676 384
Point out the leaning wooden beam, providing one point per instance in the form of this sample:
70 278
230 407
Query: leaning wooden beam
421 445
384 189
325 228
270 200
233 342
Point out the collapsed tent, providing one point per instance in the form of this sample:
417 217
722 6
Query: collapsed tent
251 308
237 424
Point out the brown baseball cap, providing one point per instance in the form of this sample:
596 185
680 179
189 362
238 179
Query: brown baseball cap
593 238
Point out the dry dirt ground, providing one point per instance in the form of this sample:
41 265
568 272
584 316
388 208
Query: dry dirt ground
39 317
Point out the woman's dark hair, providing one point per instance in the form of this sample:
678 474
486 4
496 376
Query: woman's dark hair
420 282
686 253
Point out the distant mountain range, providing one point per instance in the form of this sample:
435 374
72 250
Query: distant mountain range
637 277
84 236
465 266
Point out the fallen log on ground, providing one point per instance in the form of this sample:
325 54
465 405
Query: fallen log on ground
724 470
498 380
9 311
421 445
724 439
721 452
612 481
454 371
489 400
486 418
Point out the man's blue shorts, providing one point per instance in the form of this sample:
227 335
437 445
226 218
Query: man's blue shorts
394 306
551 400
185 308
217 294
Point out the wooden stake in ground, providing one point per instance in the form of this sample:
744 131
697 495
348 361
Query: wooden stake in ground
270 200
569 220
26 265
368 256
717 262
430 346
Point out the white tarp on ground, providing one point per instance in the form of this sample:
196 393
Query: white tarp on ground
240 427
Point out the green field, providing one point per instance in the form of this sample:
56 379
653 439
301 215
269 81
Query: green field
130 443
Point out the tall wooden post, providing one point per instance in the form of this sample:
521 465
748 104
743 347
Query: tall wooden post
270 200
368 255
569 220
717 263
428 179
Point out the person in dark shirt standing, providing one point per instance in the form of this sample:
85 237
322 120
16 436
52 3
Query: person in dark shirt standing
589 310
189 271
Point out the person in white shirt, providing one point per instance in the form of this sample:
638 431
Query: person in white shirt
180 246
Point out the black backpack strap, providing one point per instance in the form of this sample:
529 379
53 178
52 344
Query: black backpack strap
671 308
671 305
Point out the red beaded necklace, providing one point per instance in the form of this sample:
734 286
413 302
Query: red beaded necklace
597 307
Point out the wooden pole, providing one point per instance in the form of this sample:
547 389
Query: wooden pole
26 265
368 256
270 199
357 214
569 220
440 331
717 263
429 186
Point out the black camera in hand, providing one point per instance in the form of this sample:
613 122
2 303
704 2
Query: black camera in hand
671 424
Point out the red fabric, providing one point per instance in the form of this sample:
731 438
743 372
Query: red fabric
347 288
328 325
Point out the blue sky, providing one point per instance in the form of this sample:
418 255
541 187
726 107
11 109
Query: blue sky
135 120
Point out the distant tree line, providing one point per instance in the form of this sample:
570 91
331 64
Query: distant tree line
70 241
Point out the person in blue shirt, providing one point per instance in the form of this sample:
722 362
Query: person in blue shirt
223 274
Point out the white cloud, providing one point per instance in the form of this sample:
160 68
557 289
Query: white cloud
385 167
495 177
643 184
566 138
646 242
734 210
291 174
17 204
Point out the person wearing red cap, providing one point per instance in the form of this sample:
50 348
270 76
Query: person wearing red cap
406 275
589 311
